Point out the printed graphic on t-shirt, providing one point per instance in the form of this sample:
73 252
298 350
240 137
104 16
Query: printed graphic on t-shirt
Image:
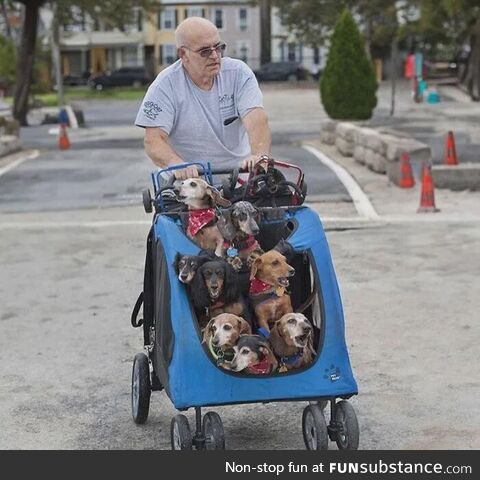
151 110
227 105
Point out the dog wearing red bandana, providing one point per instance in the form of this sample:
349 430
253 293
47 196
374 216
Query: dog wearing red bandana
201 200
252 354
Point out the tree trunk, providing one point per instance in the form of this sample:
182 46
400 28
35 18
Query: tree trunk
5 16
472 76
26 60
265 31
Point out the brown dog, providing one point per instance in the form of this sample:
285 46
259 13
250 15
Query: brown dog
268 283
222 333
292 341
201 198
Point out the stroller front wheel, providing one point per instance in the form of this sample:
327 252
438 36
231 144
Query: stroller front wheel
180 434
141 388
347 435
213 431
314 426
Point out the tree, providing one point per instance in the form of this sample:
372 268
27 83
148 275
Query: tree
348 85
7 63
114 12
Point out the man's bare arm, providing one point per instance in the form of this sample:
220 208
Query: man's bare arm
162 154
259 136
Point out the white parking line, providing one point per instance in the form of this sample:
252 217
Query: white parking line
28 156
360 200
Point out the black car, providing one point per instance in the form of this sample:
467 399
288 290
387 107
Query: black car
123 77
281 71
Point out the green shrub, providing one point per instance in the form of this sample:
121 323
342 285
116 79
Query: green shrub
348 84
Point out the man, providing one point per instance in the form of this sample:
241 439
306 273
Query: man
204 107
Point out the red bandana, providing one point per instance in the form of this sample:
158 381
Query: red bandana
257 287
261 368
198 219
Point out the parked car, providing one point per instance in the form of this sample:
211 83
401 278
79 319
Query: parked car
123 77
76 80
281 71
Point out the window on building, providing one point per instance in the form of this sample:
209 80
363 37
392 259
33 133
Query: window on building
243 18
169 54
139 20
218 18
167 19
195 12
316 55
243 50
291 52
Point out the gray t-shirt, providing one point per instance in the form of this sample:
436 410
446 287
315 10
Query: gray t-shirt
195 120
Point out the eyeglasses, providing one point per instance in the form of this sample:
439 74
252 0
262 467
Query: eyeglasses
206 52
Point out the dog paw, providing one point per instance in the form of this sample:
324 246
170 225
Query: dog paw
332 373
236 263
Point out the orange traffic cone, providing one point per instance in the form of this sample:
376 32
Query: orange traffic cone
406 174
427 198
63 141
450 150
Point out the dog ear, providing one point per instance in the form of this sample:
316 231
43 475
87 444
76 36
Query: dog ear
230 287
199 291
208 330
255 266
226 226
217 198
178 256
244 327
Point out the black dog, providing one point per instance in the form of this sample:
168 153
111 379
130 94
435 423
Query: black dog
187 265
214 290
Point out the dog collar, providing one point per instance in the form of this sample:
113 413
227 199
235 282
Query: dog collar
260 368
198 219
247 245
218 354
257 287
292 359
263 332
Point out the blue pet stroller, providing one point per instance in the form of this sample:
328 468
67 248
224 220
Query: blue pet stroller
175 355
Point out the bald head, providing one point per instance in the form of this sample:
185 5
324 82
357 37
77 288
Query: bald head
193 31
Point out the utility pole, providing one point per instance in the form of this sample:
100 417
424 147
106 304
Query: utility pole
55 42
7 23
393 71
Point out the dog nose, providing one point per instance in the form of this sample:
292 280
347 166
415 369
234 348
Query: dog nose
307 328
215 341
183 277
291 271
255 230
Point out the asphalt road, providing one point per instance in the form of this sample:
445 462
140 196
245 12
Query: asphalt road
111 171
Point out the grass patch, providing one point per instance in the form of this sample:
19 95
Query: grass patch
85 93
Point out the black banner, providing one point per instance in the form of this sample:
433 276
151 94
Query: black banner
236 464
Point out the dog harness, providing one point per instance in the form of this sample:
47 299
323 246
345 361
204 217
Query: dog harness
261 368
198 219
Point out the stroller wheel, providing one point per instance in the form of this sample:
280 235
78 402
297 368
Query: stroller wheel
347 426
147 201
140 388
213 431
314 426
180 434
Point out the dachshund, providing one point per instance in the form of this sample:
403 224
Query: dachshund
269 281
201 198
214 290
292 341
252 354
222 334
239 227
187 265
